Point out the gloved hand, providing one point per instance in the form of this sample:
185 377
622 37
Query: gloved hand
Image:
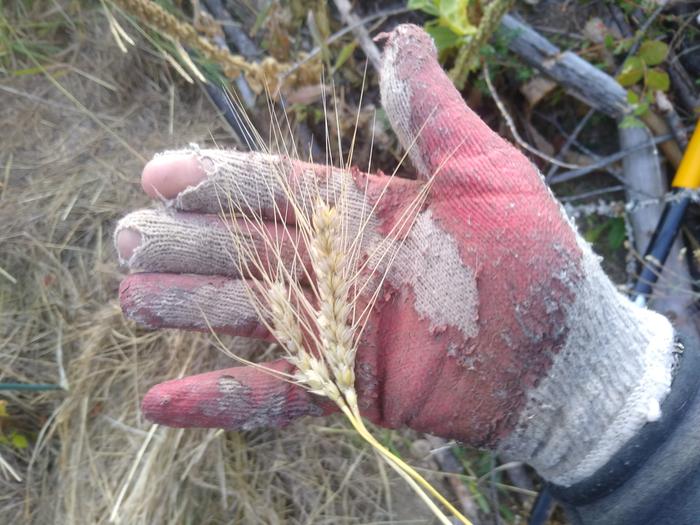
495 325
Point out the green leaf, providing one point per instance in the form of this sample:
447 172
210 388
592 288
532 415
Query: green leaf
345 53
653 52
479 497
616 233
657 79
632 97
593 234
609 42
19 441
640 109
632 71
453 14
623 46
630 121
444 37
427 6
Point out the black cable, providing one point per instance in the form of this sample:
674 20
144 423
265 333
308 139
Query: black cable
542 508
660 246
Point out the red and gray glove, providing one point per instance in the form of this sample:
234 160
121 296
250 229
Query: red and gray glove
496 325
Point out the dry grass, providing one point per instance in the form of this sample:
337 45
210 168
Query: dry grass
68 171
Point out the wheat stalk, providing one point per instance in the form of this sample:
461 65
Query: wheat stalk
320 330
258 74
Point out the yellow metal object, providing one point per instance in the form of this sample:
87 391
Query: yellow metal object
688 174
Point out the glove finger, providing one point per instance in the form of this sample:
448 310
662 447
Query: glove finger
191 302
435 125
241 398
208 181
156 240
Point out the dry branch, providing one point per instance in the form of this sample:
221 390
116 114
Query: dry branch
644 182
642 173
365 41
581 79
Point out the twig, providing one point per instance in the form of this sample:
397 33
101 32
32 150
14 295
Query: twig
467 55
448 464
574 143
233 31
345 30
644 178
114 515
569 141
29 387
683 85
658 126
4 465
62 377
585 170
639 34
580 78
362 35
513 129
592 193
672 119
680 32
242 44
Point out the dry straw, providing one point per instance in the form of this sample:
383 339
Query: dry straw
184 34
61 197
320 328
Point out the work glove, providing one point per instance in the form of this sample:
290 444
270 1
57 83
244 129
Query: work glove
494 326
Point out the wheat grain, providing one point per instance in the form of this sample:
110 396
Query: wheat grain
333 285
320 330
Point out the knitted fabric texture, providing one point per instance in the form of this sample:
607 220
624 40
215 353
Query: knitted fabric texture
605 384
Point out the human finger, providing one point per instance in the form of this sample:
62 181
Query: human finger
269 186
157 240
192 302
241 398
432 121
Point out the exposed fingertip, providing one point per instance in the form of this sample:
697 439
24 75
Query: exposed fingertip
241 398
169 174
131 292
128 240
155 404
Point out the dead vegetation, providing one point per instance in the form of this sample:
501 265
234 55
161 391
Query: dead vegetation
79 118
92 456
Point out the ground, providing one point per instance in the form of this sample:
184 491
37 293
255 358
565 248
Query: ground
79 119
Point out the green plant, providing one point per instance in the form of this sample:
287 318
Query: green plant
10 437
612 229
640 70
451 27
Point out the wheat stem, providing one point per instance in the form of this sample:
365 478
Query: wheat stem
359 425
419 484
320 330
332 373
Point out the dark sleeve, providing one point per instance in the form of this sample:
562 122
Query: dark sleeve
655 478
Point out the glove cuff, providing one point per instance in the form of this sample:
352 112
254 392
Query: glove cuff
607 382
631 461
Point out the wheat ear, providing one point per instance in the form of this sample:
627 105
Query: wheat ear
320 330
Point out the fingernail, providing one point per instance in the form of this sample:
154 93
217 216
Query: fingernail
128 240
169 174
